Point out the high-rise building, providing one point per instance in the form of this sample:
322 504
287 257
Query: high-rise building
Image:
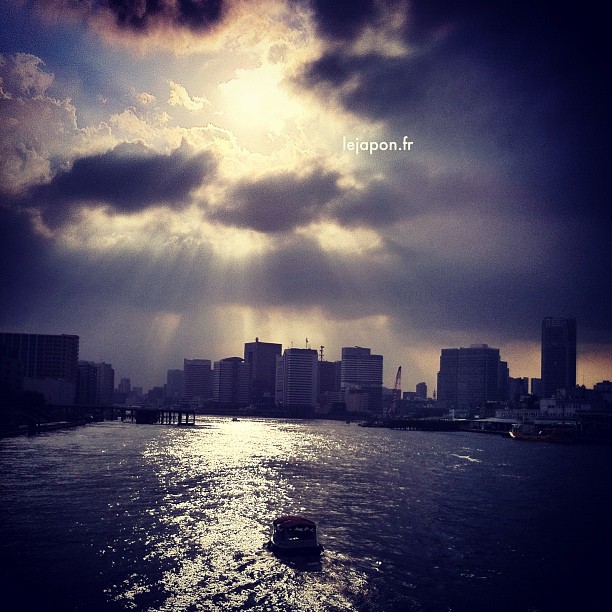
470 377
518 389
44 355
329 376
125 386
296 380
260 358
421 390
231 381
362 371
11 374
504 381
198 379
330 395
96 383
558 355
175 384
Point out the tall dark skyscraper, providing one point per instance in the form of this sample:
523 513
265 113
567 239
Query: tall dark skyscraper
261 360
198 379
470 377
558 355
231 381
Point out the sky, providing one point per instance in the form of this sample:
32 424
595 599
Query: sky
179 177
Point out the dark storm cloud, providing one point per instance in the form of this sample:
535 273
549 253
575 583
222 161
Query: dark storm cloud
516 83
514 90
426 294
138 15
144 16
23 265
409 190
280 202
488 303
129 178
507 303
342 19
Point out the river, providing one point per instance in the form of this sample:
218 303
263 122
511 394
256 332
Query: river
118 516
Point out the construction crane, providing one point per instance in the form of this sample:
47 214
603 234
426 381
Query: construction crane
397 393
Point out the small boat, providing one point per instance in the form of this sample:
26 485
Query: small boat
546 434
294 535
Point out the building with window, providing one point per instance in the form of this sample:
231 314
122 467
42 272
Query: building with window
471 377
361 371
96 384
231 381
198 379
44 355
297 380
558 355
175 385
260 358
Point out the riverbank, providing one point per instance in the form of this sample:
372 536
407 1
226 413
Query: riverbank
164 417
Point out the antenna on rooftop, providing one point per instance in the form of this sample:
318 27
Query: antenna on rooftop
321 352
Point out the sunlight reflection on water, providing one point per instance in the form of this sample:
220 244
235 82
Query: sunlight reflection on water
118 516
220 487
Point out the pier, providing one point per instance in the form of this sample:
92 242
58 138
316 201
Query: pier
49 418
414 424
133 414
431 424
163 416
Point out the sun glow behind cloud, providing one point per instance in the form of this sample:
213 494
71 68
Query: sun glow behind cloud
292 327
255 124
461 241
159 232
334 238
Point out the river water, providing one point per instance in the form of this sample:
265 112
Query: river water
119 516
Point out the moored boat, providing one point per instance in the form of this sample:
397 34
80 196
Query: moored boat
294 535
541 434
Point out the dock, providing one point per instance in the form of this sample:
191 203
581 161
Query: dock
163 416
489 426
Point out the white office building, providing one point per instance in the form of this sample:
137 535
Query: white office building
296 379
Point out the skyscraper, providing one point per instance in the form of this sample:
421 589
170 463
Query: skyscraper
96 383
198 379
421 390
470 377
296 380
231 381
44 355
362 371
558 355
260 358
175 384
329 376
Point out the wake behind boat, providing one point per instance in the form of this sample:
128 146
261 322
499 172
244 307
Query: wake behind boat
294 535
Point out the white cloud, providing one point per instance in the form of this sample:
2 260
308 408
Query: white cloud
179 96
145 98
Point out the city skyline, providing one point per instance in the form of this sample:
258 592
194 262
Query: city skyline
177 181
198 373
